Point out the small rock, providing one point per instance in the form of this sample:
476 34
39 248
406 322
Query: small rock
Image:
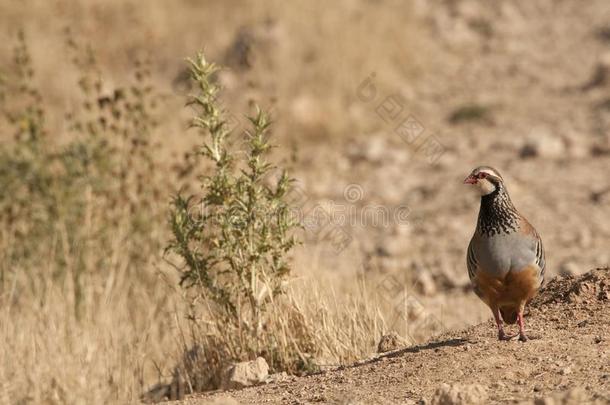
391 341
568 268
600 74
544 401
447 159
255 45
376 149
373 149
601 147
460 394
306 110
566 371
245 374
542 143
224 400
277 377
391 246
601 196
499 385
577 146
571 397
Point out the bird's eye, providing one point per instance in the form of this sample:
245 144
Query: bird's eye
481 175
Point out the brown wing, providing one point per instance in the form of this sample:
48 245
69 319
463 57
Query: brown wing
528 229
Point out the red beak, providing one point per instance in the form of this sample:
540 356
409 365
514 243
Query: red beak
470 180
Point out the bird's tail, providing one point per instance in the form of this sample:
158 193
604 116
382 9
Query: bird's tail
509 315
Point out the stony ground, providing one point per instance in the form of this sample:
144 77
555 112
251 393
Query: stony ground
567 359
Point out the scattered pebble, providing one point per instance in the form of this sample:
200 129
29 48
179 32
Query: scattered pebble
460 394
542 142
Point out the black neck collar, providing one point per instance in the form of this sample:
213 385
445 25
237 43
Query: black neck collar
497 213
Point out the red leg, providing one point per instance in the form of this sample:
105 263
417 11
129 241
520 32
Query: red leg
501 334
522 336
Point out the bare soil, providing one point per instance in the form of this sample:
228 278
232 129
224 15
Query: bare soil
567 360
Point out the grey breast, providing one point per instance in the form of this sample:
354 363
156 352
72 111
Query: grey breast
502 253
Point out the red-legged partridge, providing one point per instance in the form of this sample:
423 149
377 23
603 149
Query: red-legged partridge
505 256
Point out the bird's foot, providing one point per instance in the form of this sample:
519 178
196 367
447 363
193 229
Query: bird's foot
503 336
522 337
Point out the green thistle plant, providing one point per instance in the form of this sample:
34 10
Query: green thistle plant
235 239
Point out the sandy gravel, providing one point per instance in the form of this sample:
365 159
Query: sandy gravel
567 358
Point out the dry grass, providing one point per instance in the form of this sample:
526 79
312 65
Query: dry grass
326 330
107 354
91 313
345 327
84 315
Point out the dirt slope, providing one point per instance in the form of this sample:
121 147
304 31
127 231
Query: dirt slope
567 360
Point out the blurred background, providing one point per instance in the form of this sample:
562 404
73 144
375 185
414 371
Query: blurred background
381 108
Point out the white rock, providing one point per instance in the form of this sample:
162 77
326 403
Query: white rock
376 148
373 149
306 110
245 374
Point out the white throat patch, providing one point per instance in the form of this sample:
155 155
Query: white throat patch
485 186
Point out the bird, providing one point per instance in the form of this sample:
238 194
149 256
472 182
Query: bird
505 257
